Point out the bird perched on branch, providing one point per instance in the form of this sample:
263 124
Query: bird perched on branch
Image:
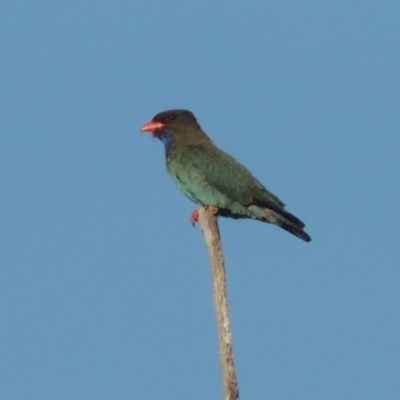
214 179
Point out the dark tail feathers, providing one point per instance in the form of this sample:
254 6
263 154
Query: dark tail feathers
292 224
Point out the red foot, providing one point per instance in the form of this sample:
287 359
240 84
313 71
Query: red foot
194 216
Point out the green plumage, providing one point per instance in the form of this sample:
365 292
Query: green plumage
208 176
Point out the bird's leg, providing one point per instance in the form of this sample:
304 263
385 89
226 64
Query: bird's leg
194 216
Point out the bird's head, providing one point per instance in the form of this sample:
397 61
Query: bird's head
175 126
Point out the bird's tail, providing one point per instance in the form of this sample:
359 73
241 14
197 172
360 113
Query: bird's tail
283 219
296 231
292 224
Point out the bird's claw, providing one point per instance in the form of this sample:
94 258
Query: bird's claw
194 216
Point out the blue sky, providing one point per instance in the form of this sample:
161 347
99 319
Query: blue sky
105 288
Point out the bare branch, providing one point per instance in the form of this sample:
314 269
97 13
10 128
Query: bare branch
209 226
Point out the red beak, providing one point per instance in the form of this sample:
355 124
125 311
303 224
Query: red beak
152 126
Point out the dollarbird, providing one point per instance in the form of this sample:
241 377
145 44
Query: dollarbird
212 178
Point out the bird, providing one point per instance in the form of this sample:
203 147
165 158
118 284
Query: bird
212 178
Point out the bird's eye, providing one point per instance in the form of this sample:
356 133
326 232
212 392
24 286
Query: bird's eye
171 117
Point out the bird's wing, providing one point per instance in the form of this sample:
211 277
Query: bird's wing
205 168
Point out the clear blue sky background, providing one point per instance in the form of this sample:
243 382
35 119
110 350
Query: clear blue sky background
105 288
